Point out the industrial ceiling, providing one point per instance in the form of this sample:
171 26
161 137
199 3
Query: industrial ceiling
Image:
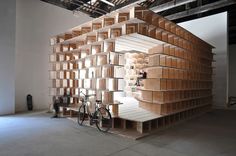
175 10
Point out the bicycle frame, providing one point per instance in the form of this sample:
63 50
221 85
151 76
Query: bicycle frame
101 115
85 103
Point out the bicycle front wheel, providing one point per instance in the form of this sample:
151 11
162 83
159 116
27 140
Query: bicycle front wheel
103 119
81 114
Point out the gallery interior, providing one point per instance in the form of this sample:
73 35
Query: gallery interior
117 77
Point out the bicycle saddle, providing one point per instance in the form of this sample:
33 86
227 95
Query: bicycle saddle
99 101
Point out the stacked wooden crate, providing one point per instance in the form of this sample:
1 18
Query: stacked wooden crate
182 83
64 70
179 69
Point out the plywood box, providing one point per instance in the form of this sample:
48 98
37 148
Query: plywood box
163 84
185 44
155 108
171 39
147 15
179 63
154 60
168 84
173 28
151 84
162 60
85 30
143 29
76 33
138 12
146 95
115 109
173 84
180 43
168 61
158 34
172 51
152 31
68 36
123 17
102 60
156 49
168 26
176 41
164 36
154 72
181 53
175 72
90 39
72 75
112 84
96 49
102 36
108 72
96 26
131 28
107 98
174 63
109 46
167 49
178 30
115 32
162 23
108 21
155 20
171 74
165 73
101 84
158 97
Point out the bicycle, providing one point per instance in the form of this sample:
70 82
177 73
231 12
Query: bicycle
101 116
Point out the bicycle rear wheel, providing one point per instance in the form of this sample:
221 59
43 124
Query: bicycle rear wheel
81 114
103 119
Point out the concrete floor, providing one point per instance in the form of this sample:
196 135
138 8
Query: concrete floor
213 134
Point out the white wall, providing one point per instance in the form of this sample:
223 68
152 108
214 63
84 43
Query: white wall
213 29
7 56
36 22
232 70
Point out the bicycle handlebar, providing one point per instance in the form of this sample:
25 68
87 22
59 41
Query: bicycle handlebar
82 93
87 95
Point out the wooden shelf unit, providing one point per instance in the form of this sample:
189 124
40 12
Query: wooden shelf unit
91 57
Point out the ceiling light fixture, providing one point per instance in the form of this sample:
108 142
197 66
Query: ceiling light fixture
107 2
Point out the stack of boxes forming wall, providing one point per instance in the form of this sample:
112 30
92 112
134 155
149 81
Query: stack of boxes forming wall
90 58
183 80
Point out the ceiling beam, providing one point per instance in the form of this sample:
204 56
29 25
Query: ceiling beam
170 5
89 6
127 3
57 3
201 9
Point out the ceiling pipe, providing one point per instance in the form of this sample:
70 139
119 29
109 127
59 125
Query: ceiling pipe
201 9
85 7
127 4
96 9
170 5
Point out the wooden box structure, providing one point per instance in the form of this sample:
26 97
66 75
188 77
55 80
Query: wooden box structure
92 58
